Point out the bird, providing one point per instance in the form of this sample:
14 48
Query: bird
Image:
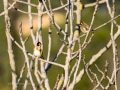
38 51
84 27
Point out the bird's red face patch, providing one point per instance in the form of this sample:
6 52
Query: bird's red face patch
38 44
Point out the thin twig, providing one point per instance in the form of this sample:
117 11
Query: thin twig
113 45
57 81
9 41
21 73
96 8
106 23
78 64
103 76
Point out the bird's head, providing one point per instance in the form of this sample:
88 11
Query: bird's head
38 44
81 24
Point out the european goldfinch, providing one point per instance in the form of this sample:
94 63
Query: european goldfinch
37 51
84 27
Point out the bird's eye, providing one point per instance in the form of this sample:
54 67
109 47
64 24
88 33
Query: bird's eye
81 23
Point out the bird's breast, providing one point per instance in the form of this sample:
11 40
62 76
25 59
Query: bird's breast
37 53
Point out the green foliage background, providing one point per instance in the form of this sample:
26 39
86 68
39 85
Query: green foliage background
101 38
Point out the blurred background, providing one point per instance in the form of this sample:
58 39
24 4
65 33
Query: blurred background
100 39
